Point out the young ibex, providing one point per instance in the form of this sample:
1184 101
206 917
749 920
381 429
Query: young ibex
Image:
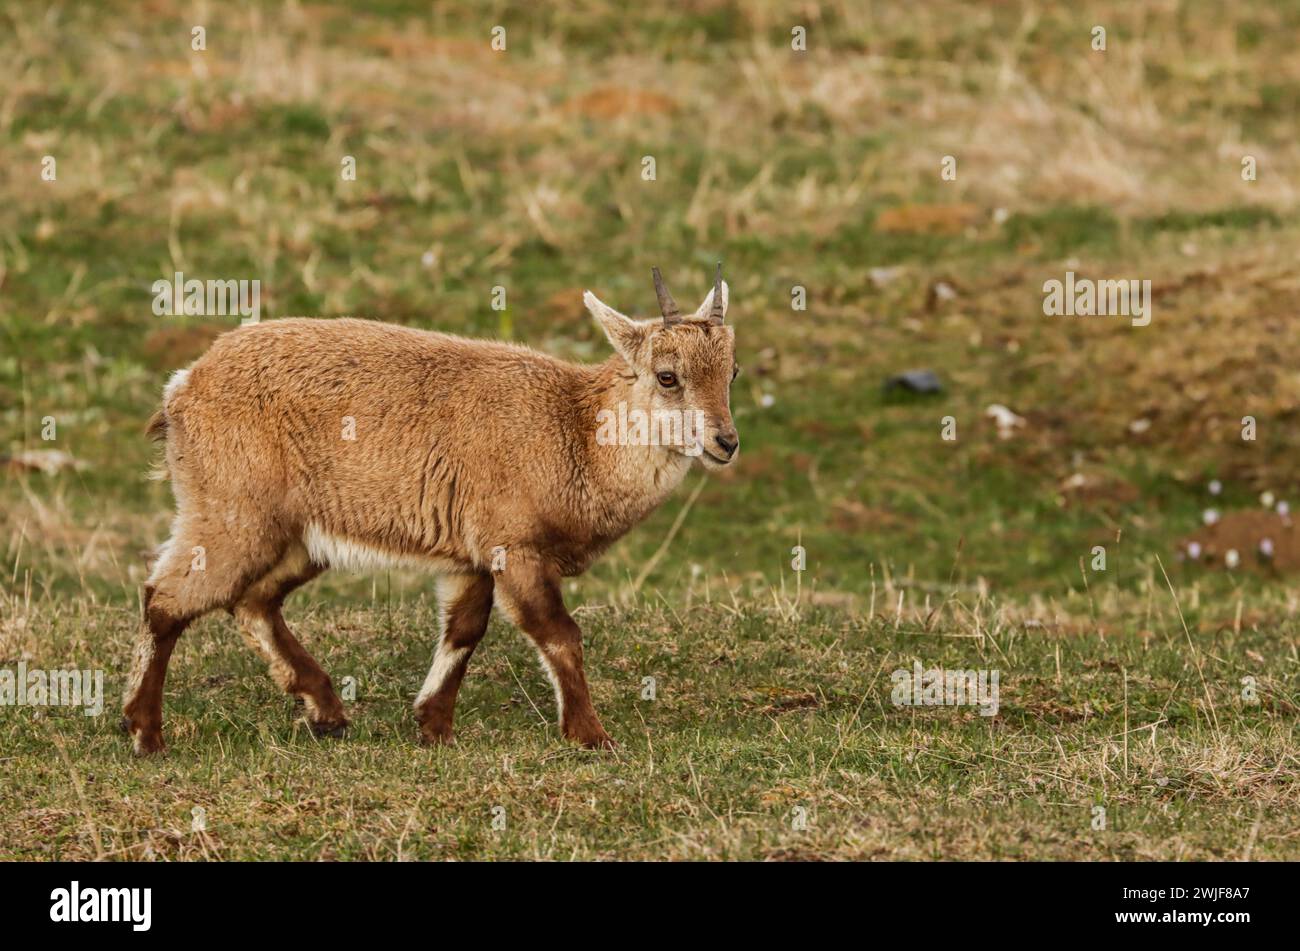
298 445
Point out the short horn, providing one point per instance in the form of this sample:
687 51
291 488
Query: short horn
716 312
667 306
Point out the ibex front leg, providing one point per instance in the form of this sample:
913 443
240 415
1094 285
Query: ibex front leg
529 590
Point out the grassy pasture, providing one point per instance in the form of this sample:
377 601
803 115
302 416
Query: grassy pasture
523 168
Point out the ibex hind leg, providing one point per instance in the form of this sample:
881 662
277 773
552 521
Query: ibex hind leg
464 604
201 567
262 623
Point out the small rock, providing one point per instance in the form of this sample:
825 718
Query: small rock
1006 421
915 381
883 276
940 293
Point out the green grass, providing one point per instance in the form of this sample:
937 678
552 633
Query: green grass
522 169
757 713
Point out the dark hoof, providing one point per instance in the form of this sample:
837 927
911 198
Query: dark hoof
147 744
600 741
335 730
437 737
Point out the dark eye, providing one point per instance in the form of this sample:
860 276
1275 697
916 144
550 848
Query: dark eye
667 379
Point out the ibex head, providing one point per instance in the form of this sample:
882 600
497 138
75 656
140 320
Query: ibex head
681 364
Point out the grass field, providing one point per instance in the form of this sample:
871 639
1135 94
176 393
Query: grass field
772 733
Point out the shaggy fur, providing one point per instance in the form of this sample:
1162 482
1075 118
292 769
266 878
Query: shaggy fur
298 445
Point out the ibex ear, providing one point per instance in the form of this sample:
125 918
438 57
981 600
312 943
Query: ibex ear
707 306
627 335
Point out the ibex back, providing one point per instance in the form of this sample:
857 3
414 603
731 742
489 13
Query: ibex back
298 445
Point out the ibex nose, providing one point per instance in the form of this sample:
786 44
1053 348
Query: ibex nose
727 442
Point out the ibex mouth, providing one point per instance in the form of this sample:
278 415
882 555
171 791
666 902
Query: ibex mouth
717 459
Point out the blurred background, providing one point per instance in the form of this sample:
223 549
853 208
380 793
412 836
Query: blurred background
817 168
806 146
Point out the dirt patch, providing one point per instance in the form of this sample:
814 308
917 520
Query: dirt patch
783 700
171 347
610 102
422 46
1097 491
852 517
47 461
928 219
1254 539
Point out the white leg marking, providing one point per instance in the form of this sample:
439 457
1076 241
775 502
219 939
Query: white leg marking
260 634
446 658
445 661
548 668
144 651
